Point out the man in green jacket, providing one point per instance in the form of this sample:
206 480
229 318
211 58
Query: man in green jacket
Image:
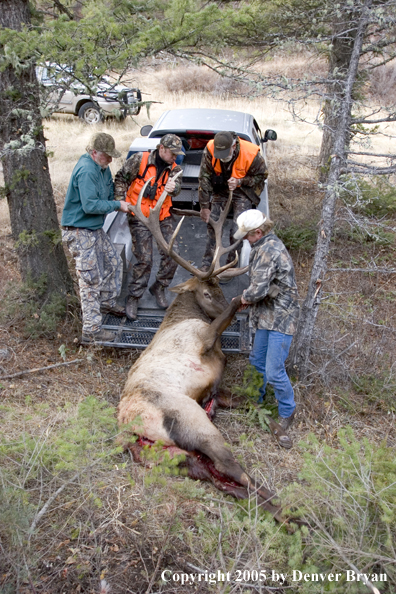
89 198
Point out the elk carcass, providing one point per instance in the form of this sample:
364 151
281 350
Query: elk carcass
181 370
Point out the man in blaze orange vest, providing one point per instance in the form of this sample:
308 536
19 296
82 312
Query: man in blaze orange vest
229 163
130 179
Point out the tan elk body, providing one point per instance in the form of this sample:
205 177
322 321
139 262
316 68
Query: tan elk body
182 368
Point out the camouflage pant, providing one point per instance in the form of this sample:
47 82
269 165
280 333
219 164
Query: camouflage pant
99 272
240 203
142 248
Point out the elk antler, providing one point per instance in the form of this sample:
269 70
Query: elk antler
215 268
153 224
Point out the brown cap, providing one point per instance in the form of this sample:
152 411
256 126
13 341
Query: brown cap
223 141
172 142
103 143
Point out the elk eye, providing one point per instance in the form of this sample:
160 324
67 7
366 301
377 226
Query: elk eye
207 295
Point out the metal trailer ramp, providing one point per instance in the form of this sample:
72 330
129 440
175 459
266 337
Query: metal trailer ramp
191 240
139 334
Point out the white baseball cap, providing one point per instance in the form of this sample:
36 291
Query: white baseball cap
249 221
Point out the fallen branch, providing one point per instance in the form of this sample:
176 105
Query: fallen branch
382 270
40 369
47 504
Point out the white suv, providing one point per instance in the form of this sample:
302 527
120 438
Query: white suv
62 93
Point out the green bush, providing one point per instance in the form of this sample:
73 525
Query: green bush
38 465
348 496
250 389
377 388
298 237
376 197
358 234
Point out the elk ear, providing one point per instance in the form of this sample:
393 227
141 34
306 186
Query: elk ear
188 285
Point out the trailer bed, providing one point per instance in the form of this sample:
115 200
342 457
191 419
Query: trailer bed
191 239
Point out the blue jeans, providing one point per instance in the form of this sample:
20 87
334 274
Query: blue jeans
269 353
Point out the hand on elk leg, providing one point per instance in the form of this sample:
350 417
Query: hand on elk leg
222 322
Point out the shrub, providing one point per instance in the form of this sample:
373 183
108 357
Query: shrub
251 384
199 79
383 83
298 237
376 198
35 468
348 496
377 388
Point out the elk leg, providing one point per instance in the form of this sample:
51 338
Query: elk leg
225 463
200 467
192 430
225 399
218 325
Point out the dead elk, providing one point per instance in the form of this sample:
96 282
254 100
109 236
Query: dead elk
181 370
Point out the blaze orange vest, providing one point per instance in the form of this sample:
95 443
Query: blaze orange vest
145 172
241 166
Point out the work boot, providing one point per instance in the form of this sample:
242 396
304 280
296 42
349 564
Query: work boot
115 310
158 291
131 307
99 336
285 422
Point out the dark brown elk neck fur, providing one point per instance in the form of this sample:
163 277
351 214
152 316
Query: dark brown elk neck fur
184 307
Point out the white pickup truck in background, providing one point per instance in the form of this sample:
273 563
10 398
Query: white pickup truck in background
62 93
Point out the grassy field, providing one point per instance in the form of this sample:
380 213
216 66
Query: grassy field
103 525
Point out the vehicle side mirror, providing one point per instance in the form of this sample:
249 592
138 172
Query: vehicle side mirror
145 131
269 135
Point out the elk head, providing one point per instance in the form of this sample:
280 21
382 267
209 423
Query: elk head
207 294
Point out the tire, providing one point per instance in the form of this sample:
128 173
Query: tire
90 113
134 110
137 109
122 116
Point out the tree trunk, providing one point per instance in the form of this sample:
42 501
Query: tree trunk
339 60
28 188
342 117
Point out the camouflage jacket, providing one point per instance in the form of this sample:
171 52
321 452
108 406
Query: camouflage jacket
252 184
270 262
129 171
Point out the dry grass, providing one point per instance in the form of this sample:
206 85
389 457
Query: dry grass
294 152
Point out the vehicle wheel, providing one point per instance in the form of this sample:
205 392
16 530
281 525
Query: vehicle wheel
122 115
135 110
90 113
